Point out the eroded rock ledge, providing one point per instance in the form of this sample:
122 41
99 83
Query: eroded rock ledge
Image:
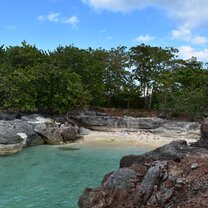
19 131
150 127
172 176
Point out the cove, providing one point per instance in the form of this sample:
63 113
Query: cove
55 176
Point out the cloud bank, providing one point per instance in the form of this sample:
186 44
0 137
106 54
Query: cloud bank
190 13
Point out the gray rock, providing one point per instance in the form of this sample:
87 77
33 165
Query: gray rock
10 138
121 179
51 134
203 141
34 139
151 179
70 134
83 131
16 131
95 119
36 119
9 116
173 150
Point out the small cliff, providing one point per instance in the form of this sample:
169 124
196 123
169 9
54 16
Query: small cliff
144 127
172 176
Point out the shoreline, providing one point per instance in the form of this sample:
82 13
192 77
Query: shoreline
129 138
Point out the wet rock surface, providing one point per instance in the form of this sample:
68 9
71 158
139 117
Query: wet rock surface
172 176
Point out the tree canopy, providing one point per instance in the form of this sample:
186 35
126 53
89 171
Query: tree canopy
68 77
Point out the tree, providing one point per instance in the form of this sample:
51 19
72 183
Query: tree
17 89
187 89
148 63
116 72
23 56
59 90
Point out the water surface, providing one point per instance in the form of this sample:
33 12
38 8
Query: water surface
54 177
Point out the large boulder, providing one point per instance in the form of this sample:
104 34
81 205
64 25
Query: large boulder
51 134
70 134
33 130
16 134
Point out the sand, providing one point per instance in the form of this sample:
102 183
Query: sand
135 138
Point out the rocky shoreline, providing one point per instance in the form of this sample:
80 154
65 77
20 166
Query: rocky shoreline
172 176
18 131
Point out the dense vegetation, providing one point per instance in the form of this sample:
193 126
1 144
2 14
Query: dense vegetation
68 77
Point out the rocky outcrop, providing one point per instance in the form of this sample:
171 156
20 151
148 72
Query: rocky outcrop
96 120
31 130
203 141
174 175
144 127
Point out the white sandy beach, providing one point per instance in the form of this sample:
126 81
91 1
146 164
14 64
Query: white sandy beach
137 138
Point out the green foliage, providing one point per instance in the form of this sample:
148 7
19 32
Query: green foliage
69 77
149 63
59 90
17 89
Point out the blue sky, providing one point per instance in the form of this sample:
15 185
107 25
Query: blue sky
107 23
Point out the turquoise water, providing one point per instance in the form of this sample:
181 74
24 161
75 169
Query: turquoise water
50 177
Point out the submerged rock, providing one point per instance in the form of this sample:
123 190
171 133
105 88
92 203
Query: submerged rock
8 149
69 148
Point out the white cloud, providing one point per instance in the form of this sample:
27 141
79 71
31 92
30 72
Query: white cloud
73 20
184 34
53 17
186 52
58 18
200 40
188 13
181 34
144 38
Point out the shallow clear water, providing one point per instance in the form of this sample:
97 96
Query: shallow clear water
50 177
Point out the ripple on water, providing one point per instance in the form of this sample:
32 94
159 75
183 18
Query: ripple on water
55 176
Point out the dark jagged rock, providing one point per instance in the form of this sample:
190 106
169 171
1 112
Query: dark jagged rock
70 134
162 178
176 150
203 141
9 116
121 179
